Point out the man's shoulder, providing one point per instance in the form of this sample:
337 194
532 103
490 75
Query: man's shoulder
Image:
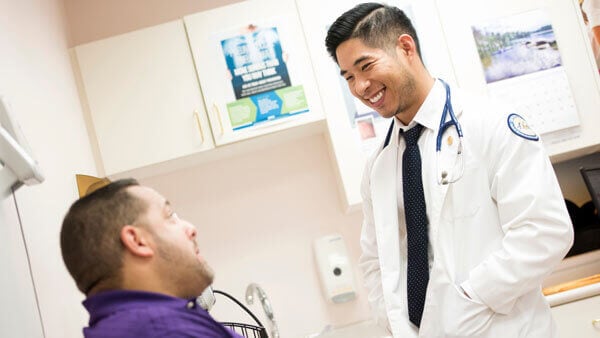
156 322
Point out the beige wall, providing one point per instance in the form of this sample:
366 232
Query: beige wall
36 77
258 215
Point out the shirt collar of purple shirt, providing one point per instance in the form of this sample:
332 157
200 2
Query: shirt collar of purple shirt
107 302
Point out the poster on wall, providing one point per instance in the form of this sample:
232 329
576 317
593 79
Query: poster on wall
522 65
262 86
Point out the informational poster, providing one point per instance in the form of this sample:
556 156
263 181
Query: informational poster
255 61
522 65
260 81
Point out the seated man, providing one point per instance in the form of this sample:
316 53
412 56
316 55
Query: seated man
138 264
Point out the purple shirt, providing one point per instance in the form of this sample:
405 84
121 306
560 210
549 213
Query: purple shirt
120 314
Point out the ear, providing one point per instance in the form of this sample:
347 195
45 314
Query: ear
406 44
136 241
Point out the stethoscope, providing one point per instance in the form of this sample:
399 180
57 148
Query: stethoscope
443 175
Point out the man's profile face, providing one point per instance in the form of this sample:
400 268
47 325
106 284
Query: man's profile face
178 257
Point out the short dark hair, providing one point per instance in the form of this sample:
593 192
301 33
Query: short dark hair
376 25
90 235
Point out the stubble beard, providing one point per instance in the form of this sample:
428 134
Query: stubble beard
406 91
195 276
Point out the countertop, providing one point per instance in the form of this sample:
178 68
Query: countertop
573 290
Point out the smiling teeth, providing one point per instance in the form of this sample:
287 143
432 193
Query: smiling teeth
376 97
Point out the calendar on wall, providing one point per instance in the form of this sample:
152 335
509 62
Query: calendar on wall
522 66
544 97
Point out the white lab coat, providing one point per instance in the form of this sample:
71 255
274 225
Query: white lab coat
497 232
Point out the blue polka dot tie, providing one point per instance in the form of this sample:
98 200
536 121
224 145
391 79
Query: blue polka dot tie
416 226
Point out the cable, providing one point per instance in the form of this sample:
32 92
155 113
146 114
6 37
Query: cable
240 304
37 300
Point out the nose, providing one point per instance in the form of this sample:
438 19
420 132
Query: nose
190 230
361 85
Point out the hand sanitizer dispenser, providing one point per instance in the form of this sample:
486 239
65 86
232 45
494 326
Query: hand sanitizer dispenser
337 279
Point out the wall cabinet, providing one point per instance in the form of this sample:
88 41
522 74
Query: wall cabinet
247 72
148 92
579 319
143 97
572 87
254 69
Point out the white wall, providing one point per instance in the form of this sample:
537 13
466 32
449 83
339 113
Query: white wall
36 77
19 316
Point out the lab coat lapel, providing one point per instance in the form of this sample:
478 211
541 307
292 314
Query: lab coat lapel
438 193
435 194
385 210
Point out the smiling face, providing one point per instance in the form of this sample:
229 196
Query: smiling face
381 79
177 257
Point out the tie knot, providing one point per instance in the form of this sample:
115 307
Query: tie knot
411 136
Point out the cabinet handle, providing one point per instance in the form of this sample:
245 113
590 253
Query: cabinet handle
596 323
216 109
197 116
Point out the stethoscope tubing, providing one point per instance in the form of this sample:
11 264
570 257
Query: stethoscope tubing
447 124
443 123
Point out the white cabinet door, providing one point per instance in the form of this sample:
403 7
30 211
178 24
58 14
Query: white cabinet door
254 69
579 319
561 102
144 98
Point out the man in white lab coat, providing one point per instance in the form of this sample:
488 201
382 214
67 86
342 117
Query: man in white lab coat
494 217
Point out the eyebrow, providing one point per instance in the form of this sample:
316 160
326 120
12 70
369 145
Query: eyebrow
359 60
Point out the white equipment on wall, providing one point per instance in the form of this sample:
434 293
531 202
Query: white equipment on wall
17 166
334 268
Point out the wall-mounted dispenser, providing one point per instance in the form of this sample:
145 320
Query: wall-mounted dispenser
335 270
17 166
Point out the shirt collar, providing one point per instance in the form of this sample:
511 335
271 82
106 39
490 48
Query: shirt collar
105 303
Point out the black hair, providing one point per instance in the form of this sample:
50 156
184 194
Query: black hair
90 234
376 25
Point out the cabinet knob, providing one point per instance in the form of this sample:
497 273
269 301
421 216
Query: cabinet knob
197 116
596 324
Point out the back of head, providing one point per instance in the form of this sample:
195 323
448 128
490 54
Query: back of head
90 235
376 25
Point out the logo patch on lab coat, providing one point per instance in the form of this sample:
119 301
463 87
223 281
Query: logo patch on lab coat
520 127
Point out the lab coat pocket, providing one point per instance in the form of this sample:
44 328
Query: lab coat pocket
465 317
466 194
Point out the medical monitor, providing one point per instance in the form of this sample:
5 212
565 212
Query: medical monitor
591 176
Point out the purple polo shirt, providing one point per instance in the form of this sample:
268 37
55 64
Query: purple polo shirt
135 314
